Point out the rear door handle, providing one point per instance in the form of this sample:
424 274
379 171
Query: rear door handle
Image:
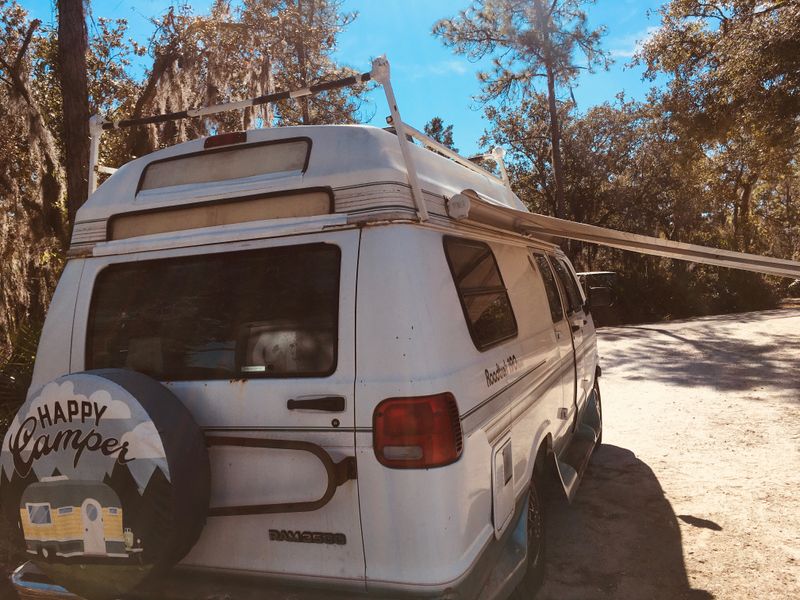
325 403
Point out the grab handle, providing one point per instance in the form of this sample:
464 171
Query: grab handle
326 403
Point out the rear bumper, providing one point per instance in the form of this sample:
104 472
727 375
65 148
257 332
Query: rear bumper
494 575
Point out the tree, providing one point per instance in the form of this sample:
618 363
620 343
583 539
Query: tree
734 89
31 221
436 129
527 40
230 54
72 49
197 59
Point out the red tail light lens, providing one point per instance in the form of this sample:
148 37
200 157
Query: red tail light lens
417 433
225 139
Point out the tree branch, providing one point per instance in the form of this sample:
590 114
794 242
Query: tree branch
28 36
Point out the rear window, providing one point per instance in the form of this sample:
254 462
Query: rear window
483 295
260 313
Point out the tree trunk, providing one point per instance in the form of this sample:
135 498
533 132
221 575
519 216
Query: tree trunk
72 47
301 58
268 113
744 214
555 139
543 22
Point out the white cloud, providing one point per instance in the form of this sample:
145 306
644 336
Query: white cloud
442 68
116 409
448 67
627 46
58 393
143 442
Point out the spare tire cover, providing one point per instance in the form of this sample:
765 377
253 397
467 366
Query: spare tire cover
104 469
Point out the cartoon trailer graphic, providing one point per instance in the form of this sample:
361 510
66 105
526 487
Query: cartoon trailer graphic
73 518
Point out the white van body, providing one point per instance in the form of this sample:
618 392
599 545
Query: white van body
403 330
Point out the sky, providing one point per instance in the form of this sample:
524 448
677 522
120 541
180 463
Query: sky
429 79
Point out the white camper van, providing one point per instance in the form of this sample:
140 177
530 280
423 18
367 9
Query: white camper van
380 357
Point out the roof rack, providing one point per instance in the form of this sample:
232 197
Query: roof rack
468 205
380 73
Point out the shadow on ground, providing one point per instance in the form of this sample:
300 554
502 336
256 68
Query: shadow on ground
618 539
718 359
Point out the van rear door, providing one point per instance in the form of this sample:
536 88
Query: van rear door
257 339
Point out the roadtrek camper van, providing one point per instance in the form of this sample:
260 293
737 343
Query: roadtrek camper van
383 351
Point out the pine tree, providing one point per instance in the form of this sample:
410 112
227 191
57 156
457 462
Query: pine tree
527 40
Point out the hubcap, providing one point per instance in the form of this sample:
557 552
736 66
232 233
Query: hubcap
535 529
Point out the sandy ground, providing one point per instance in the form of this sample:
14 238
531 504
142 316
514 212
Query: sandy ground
695 492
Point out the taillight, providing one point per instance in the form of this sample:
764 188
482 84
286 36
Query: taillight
225 139
417 433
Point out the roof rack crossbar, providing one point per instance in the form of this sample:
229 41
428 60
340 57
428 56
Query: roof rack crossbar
242 104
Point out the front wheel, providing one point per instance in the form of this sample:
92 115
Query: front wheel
534 575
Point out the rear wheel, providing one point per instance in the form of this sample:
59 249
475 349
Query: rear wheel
534 575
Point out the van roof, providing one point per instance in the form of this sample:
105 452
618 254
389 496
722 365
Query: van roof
341 156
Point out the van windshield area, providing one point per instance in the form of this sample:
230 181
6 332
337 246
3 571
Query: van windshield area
262 313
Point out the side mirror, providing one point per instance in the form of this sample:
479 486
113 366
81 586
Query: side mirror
599 297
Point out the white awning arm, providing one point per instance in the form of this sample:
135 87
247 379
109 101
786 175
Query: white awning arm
499 155
472 207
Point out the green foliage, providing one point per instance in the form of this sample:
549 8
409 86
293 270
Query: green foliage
625 169
529 41
229 54
233 53
734 90
733 67
711 159
436 129
31 202
16 370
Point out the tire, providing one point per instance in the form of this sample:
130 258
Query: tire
134 447
600 412
534 574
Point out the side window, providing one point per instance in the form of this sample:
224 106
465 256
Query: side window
39 514
483 295
570 285
550 286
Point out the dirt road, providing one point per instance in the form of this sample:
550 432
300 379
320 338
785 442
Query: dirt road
695 492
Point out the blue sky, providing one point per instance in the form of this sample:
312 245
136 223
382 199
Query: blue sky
430 80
